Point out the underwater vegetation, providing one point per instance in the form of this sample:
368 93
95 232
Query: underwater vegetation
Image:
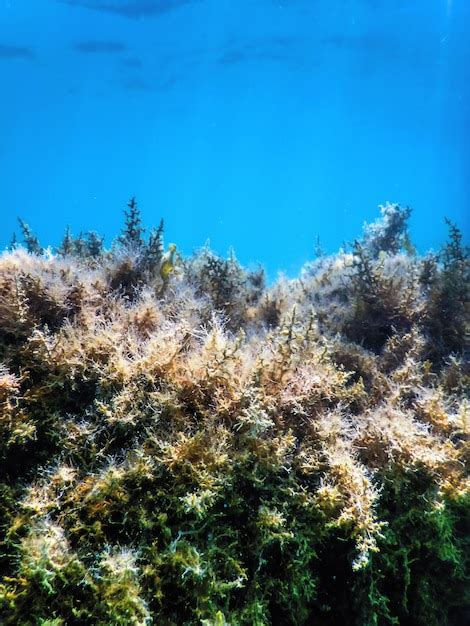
181 443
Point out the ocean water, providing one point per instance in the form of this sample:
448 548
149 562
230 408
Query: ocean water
257 124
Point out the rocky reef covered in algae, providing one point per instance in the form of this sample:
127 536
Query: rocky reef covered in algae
182 444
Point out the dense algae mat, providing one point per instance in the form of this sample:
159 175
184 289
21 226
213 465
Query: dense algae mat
181 444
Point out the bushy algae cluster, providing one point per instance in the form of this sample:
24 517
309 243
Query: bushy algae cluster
182 444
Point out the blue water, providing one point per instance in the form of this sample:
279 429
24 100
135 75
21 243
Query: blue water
257 124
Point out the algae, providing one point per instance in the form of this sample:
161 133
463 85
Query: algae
196 447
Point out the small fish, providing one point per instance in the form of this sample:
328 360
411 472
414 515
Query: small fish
168 262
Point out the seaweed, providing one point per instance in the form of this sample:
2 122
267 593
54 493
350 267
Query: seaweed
31 241
181 443
390 232
132 233
447 281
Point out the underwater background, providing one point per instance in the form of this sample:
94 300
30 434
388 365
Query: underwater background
185 439
257 124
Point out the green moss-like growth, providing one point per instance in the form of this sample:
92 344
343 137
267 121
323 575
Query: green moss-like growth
205 450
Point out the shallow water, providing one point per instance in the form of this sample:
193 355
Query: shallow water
256 124
181 440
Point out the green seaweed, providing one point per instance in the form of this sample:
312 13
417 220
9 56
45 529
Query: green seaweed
195 447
